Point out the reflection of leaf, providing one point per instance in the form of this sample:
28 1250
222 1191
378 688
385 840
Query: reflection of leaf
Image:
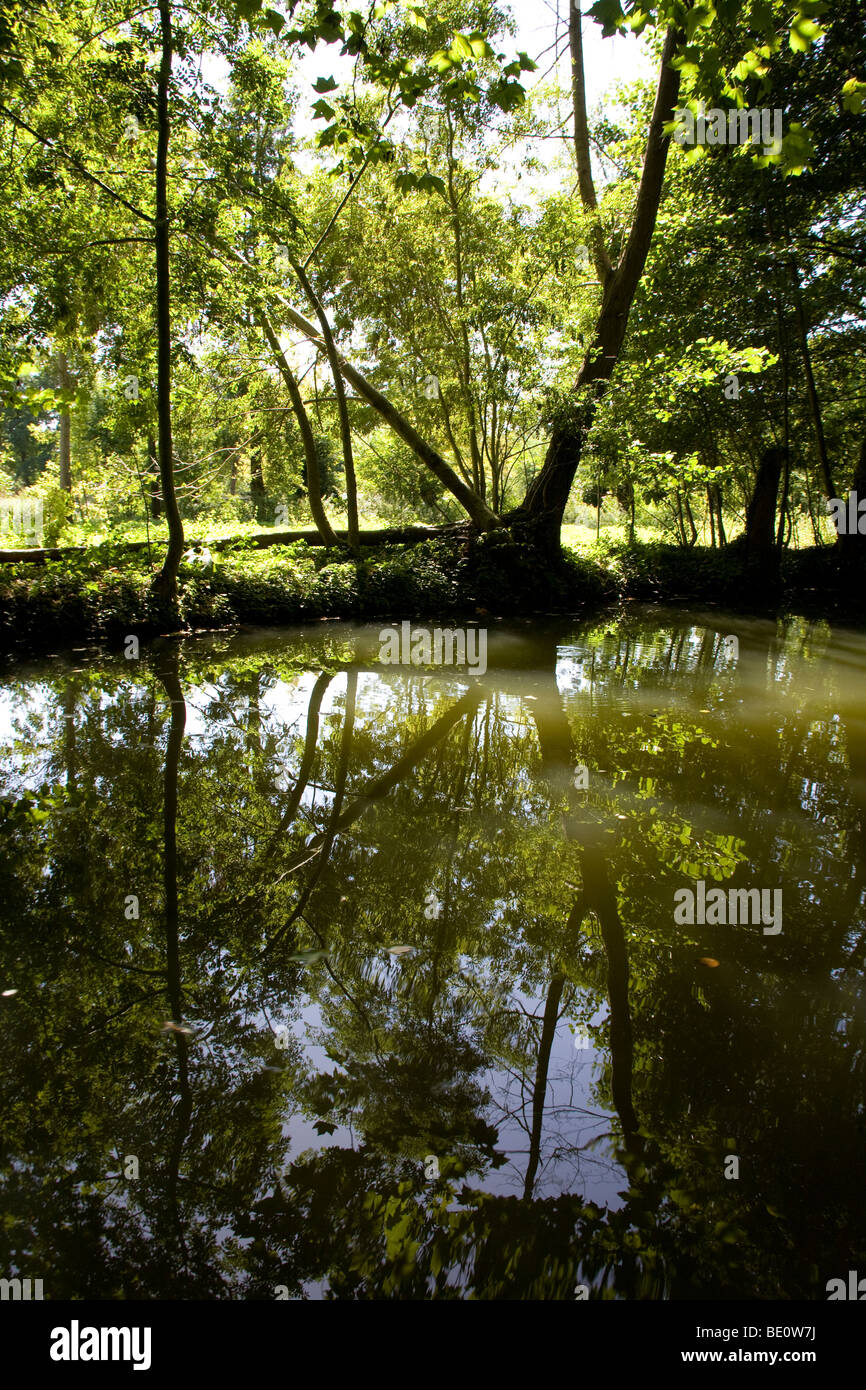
682 1199
324 1127
309 957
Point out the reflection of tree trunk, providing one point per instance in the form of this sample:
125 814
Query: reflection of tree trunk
311 739
855 730
539 1090
334 819
598 896
69 749
378 788
168 674
254 718
601 899
381 786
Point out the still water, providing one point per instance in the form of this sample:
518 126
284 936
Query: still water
324 977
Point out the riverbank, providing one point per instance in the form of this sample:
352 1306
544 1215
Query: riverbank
100 597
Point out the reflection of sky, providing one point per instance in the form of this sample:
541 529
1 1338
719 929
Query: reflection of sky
569 1160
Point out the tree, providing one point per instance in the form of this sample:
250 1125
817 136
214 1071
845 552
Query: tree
165 582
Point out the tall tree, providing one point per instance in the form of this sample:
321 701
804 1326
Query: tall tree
543 507
165 582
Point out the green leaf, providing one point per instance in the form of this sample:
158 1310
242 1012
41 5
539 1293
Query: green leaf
324 84
609 15
431 183
479 46
803 34
405 181
460 48
507 95
854 95
701 17
798 149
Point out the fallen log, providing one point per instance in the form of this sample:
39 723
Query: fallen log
398 535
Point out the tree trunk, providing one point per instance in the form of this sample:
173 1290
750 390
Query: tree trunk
717 495
165 582
257 484
597 248
64 383
311 458
543 506
153 474
761 516
690 519
811 388
786 418
343 411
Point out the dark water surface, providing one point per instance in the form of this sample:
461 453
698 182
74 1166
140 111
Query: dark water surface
322 977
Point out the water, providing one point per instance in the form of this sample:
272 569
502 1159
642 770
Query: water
333 979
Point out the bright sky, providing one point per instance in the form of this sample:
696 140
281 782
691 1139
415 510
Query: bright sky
542 31
606 61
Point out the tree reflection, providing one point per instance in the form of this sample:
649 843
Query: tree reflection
377 901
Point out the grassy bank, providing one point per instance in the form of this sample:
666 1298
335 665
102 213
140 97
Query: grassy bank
103 596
